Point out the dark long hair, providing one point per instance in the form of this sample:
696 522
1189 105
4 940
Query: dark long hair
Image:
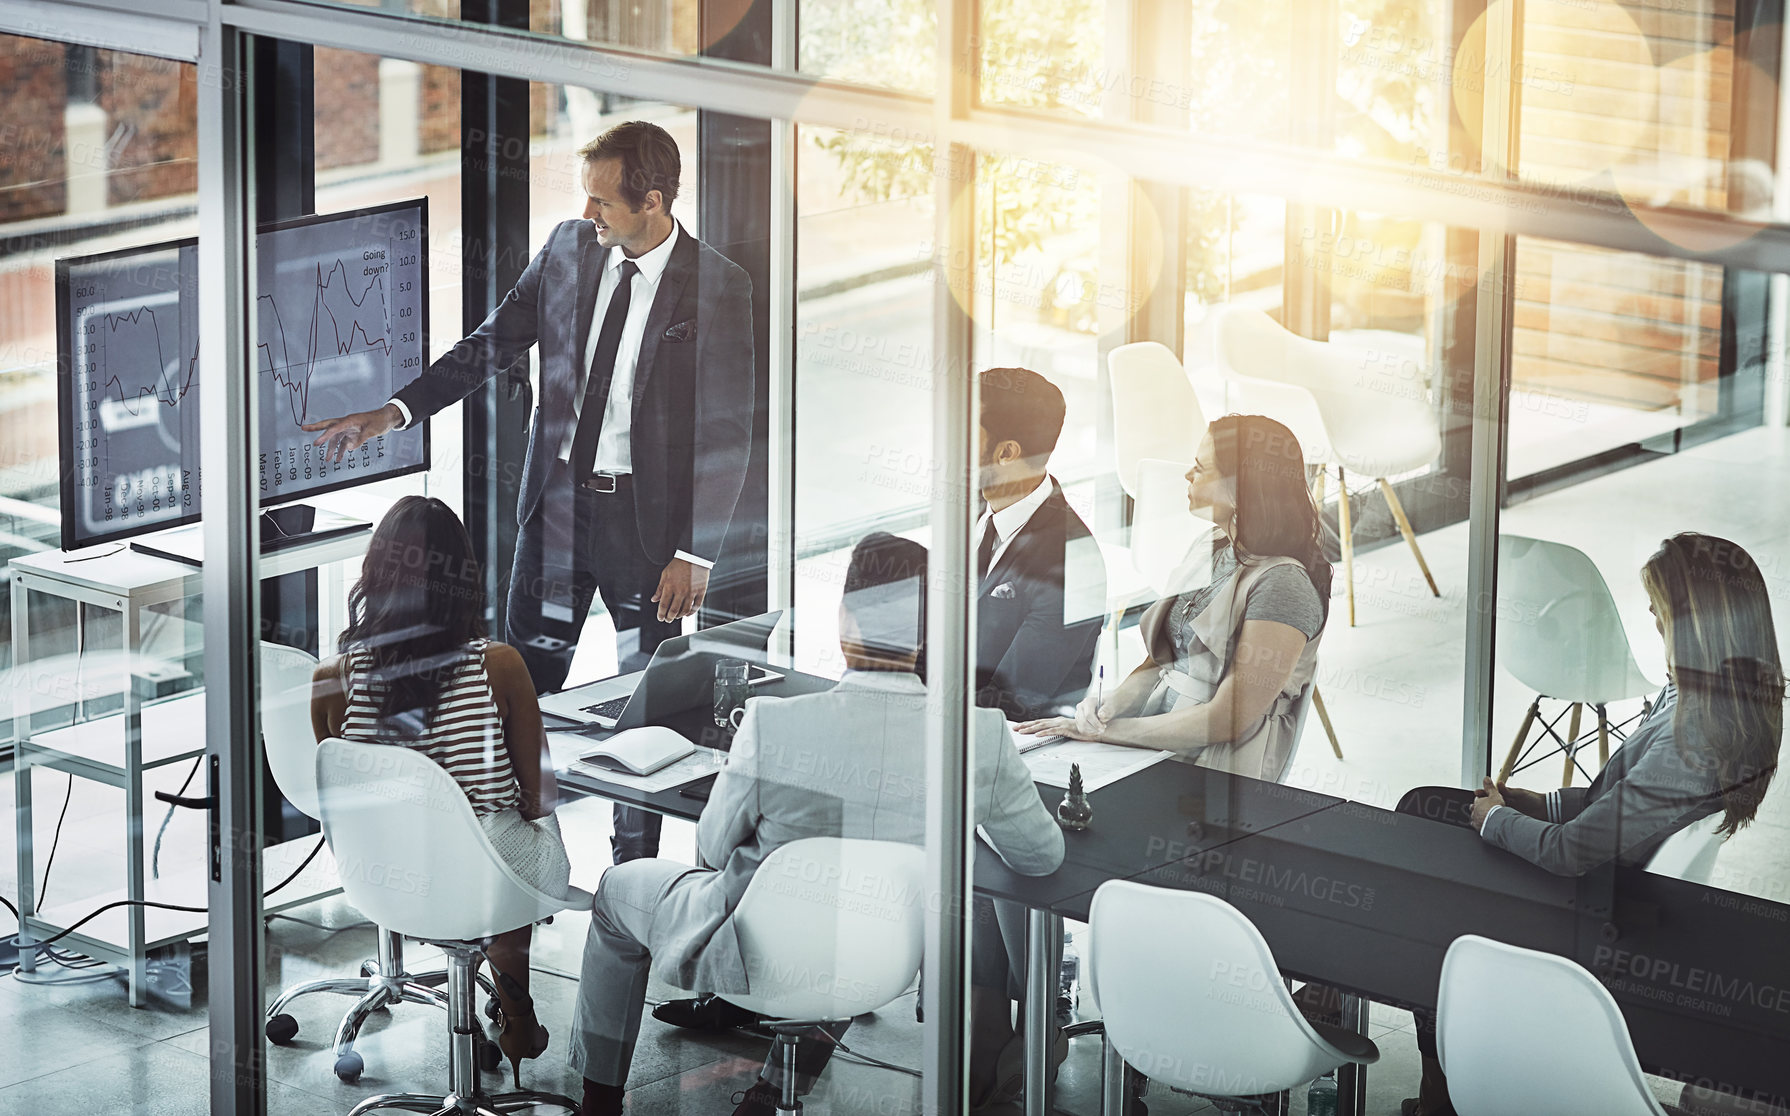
419 601
1276 516
1722 649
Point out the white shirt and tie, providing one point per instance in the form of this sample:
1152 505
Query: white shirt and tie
615 441
1008 522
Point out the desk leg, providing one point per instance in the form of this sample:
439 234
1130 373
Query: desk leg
133 808
1112 1080
21 781
1351 1078
1042 931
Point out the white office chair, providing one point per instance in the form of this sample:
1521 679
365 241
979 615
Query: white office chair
1521 1032
1561 636
1690 854
1346 408
414 860
1157 427
1155 411
292 760
829 928
1212 1015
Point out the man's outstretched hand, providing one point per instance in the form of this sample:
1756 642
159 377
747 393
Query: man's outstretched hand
342 436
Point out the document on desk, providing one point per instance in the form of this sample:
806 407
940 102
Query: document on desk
566 747
1101 764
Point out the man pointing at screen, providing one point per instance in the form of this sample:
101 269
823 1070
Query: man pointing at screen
637 450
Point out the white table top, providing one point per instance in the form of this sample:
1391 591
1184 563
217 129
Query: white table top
116 568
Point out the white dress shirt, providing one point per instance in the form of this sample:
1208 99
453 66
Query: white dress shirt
1009 520
614 444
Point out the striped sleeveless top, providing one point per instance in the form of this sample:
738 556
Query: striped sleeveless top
464 735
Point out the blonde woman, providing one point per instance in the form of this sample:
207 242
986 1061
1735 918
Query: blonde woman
1709 744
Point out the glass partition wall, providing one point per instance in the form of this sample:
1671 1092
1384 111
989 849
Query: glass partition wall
1507 273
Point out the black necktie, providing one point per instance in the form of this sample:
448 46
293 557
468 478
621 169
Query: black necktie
985 552
602 371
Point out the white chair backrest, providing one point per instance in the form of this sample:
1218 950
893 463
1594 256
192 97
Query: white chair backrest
1690 854
1521 1032
1163 530
831 927
410 853
1253 358
286 723
1347 404
1559 632
1191 995
1155 412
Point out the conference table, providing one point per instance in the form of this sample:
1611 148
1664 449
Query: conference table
1367 901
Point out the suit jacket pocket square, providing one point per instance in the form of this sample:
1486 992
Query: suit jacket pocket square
683 331
1003 592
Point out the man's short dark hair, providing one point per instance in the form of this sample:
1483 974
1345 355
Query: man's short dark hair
1021 406
649 156
885 589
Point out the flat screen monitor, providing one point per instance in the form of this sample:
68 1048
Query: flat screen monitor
342 302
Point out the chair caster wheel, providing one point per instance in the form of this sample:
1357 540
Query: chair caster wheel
368 968
490 1056
493 1010
281 1029
349 1067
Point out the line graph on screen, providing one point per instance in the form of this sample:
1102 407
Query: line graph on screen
341 323
142 343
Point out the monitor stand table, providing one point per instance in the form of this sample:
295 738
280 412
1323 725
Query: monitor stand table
129 740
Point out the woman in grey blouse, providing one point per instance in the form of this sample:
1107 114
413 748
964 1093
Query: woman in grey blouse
1231 658
1709 745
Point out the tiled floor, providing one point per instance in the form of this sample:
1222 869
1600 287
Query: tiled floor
1393 685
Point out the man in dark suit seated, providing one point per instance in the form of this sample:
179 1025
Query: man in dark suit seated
1040 582
1040 590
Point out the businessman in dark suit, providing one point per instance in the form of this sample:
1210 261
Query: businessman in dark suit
638 447
1040 582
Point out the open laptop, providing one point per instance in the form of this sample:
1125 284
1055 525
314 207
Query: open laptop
680 677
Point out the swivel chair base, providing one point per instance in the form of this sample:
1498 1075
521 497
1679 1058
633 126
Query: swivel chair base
789 1034
465 1096
383 982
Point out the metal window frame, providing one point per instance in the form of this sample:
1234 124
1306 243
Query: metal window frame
950 619
127 28
228 442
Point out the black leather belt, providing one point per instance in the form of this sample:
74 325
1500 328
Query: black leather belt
606 482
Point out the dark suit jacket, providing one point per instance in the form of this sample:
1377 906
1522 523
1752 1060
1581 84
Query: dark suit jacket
693 384
1030 660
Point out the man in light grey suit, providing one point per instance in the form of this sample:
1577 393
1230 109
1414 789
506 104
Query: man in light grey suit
848 762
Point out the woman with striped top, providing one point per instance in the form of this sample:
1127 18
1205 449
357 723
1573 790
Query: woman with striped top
415 671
